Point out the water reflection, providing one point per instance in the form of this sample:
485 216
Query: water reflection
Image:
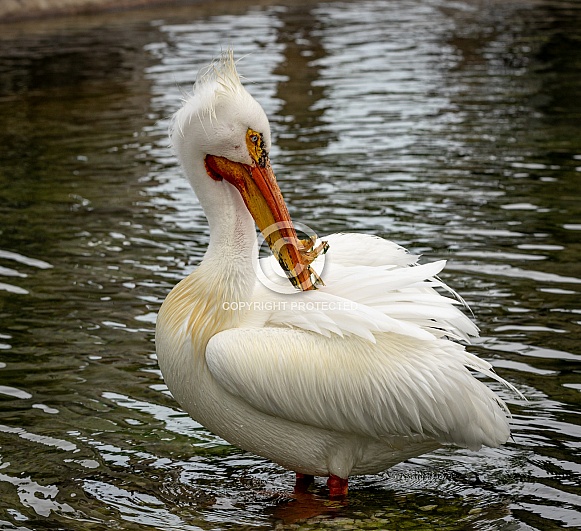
450 128
301 130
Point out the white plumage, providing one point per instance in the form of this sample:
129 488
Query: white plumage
350 378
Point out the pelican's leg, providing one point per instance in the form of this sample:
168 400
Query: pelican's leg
303 482
338 487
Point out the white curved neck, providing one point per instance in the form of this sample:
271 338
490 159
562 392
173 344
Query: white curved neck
232 232
232 254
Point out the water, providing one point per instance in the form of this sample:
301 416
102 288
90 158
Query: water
451 128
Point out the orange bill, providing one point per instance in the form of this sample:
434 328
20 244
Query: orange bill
261 194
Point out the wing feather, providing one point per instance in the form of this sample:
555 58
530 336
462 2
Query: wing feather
371 286
398 386
368 353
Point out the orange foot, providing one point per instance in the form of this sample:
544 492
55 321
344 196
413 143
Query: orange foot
338 487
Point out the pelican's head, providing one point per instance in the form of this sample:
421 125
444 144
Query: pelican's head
222 137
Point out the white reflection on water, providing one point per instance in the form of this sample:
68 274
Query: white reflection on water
41 439
36 496
143 509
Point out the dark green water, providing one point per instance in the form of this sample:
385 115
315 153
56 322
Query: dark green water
453 128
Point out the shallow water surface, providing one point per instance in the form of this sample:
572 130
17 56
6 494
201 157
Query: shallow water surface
449 127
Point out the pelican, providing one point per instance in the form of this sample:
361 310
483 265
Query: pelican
350 370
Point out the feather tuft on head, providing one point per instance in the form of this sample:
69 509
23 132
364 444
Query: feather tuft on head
217 85
220 79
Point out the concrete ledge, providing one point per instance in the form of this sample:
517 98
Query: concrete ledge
30 9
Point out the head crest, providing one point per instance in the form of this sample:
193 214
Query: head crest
214 82
218 102
219 78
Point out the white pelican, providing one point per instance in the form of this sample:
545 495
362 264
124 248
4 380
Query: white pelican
347 375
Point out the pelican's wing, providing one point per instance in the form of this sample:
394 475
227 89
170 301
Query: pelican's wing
397 386
371 285
354 249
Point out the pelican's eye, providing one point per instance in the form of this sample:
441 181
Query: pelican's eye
255 144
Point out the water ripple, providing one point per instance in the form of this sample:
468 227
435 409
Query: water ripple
449 127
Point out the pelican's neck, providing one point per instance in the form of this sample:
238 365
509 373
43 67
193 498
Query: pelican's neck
231 256
208 300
